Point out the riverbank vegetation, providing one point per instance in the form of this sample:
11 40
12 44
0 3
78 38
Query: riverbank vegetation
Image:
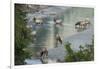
22 36
86 53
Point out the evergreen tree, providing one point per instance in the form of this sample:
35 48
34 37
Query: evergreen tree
22 36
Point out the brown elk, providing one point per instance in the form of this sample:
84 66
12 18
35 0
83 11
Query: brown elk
82 24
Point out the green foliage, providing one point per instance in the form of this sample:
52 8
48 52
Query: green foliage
85 53
22 36
68 48
71 56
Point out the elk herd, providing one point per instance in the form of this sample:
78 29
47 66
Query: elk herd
83 24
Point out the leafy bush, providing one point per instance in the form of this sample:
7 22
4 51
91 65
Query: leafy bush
85 53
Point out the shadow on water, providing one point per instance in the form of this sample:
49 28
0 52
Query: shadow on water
43 32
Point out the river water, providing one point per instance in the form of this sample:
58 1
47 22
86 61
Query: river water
45 34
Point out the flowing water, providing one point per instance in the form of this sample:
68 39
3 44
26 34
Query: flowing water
45 34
